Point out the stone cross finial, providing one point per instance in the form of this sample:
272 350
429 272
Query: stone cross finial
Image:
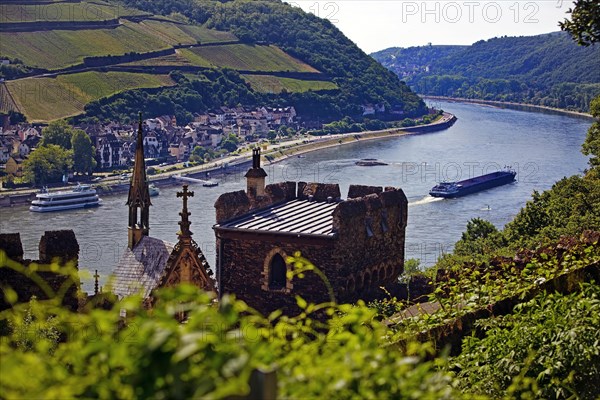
185 222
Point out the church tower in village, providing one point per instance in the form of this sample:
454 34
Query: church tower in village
139 196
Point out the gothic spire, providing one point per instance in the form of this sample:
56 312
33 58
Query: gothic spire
138 190
138 199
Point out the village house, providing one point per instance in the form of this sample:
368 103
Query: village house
111 152
14 166
28 145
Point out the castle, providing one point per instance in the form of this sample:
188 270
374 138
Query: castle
358 243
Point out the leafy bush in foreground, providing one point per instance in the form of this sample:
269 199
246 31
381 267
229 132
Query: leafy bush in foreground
548 349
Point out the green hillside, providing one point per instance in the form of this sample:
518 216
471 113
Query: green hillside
46 99
275 84
316 42
314 67
250 58
549 70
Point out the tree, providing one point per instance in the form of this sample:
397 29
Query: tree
198 154
83 152
591 146
584 25
481 237
47 164
59 133
230 142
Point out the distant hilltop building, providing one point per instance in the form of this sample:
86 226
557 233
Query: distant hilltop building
357 243
149 263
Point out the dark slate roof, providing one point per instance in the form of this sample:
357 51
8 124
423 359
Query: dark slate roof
140 269
302 217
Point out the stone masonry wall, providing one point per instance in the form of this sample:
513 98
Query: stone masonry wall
243 272
366 253
369 249
60 246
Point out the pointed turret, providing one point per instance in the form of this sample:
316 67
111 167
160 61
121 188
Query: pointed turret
139 196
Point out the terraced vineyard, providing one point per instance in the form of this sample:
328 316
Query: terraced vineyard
250 58
276 84
62 11
47 99
173 60
61 48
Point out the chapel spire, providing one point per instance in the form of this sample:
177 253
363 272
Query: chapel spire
139 196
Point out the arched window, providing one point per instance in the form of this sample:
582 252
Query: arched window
277 272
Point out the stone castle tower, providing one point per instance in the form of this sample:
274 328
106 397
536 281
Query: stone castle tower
357 243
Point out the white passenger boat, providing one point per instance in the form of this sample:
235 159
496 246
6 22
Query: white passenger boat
82 196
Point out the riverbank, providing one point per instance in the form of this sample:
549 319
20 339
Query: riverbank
238 164
445 122
514 106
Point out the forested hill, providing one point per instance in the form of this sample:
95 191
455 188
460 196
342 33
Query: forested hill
549 69
315 41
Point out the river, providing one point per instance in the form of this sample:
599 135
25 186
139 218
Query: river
542 148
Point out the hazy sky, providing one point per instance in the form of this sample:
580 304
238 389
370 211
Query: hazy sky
376 25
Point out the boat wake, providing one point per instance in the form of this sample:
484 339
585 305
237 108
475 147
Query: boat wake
425 200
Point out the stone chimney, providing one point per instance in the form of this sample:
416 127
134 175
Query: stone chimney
255 177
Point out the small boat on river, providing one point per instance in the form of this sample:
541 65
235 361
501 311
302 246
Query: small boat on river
153 190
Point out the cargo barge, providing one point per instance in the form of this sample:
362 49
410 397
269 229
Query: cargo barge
472 185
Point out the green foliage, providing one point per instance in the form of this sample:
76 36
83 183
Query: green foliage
207 90
230 143
198 154
573 204
149 354
83 152
584 24
591 146
480 238
548 70
66 95
551 341
13 70
58 133
47 164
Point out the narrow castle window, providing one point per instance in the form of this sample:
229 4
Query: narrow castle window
368 227
277 272
384 225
